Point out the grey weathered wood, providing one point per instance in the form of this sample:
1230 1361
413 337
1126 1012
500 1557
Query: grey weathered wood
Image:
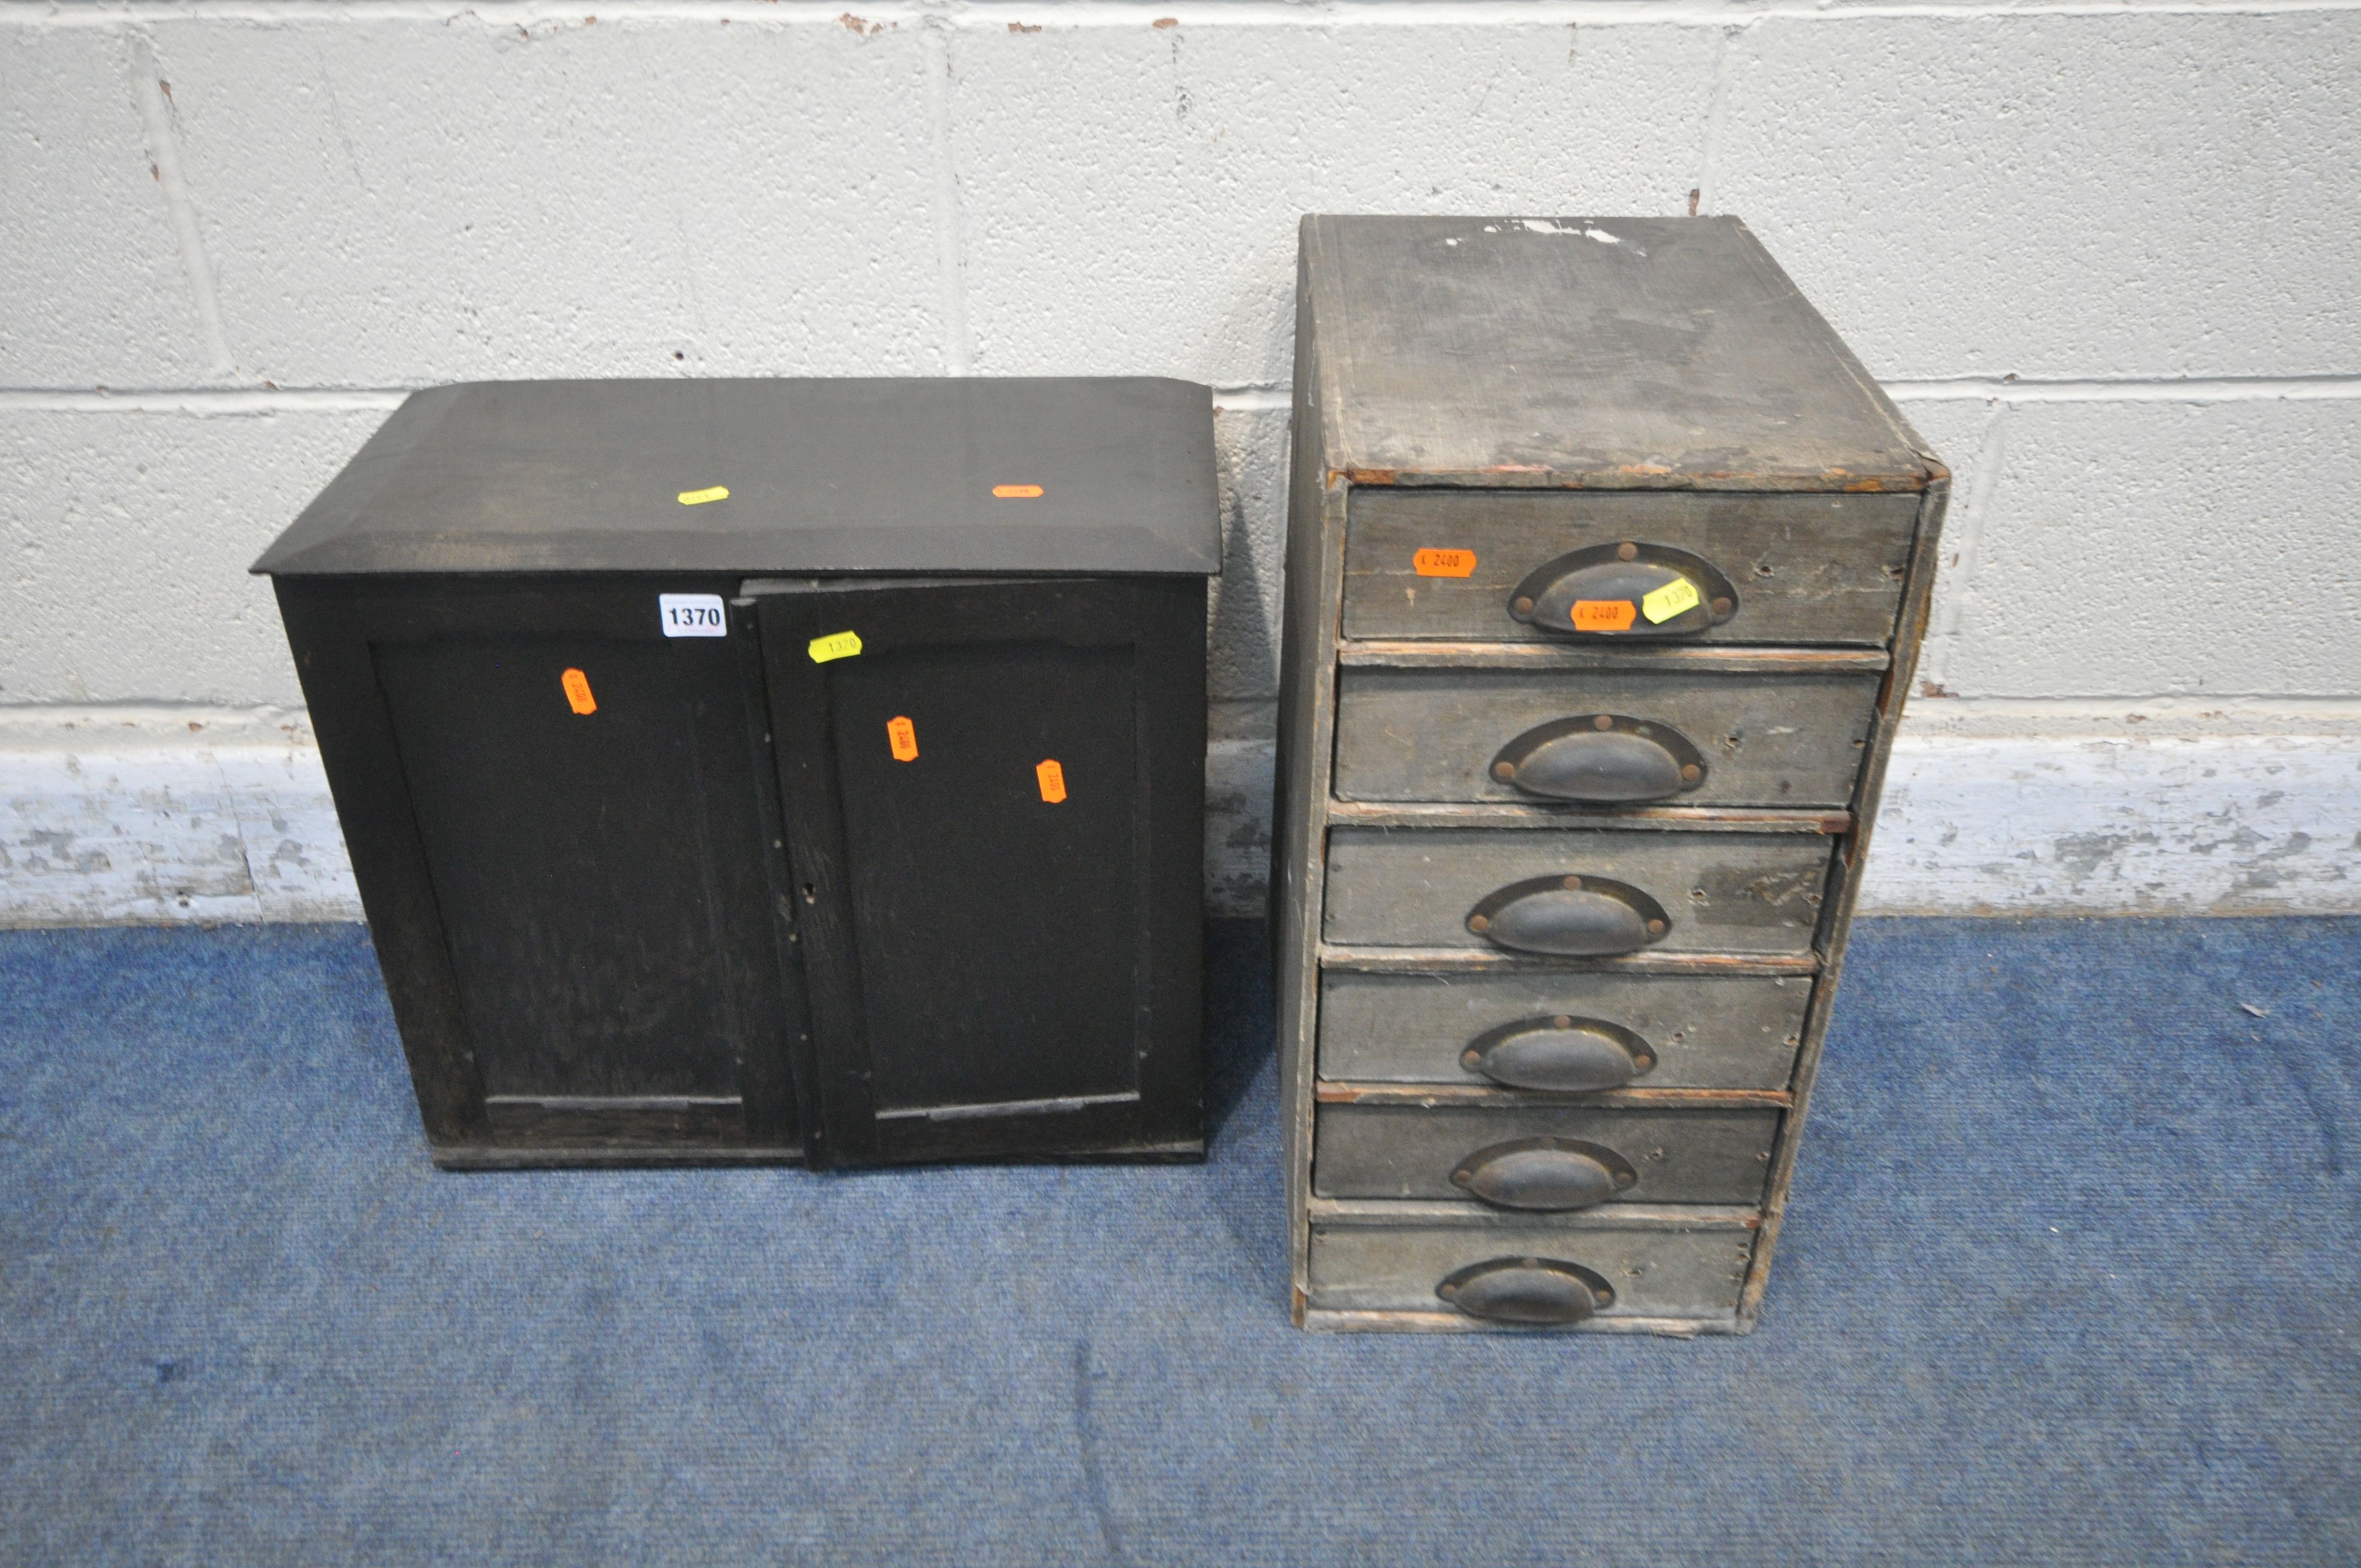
1508 352
1708 1032
1544 384
1767 740
1338 956
1807 568
1630 659
1706 1156
1307 690
1851 853
1725 893
1480 1097
1518 816
1657 1272
1342 957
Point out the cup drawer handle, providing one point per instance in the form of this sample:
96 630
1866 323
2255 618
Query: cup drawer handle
1552 1175
1601 757
1561 1053
1570 916
1536 1291
1625 591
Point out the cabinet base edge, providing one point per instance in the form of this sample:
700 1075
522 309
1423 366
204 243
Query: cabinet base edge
1330 1319
535 1157
496 1157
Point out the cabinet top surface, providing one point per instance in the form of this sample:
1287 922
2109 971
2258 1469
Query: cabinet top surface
1612 352
1109 475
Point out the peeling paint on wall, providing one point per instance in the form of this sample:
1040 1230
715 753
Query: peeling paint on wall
1237 827
136 829
2165 826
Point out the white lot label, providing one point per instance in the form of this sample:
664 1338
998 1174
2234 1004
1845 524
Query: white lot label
692 615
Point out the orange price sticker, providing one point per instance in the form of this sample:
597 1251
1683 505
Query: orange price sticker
1018 492
578 692
1053 780
903 736
1603 615
1444 562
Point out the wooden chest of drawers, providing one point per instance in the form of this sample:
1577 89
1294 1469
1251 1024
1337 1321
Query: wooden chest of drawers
1606 568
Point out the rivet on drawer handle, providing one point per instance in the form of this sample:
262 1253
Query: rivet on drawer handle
1625 591
1601 757
1548 1174
1568 1055
1569 916
1527 1291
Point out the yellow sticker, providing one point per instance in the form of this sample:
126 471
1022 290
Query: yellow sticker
903 736
1601 615
1444 562
711 493
835 645
578 692
1668 601
1018 492
1053 780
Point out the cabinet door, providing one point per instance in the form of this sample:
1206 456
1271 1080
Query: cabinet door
993 795
555 814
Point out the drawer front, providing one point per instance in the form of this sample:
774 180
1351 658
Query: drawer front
1805 568
1673 1157
1728 892
1760 739
1705 1032
1654 1273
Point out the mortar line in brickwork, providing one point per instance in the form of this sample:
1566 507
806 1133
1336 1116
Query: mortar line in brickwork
1247 397
204 401
997 15
2127 389
2287 707
1237 396
275 721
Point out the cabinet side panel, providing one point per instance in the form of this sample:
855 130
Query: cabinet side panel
364 767
1844 878
1315 523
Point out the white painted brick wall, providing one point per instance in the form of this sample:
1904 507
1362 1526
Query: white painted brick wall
93 288
2132 549
128 535
2104 257
393 202
2132 195
1129 195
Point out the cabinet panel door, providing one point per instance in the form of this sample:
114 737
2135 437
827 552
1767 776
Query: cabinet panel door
990 791
555 814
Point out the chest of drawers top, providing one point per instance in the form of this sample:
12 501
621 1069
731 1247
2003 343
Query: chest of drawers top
1599 353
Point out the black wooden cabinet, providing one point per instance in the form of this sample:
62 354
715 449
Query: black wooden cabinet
852 816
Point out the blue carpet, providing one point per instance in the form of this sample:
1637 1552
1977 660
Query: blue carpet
2070 1277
